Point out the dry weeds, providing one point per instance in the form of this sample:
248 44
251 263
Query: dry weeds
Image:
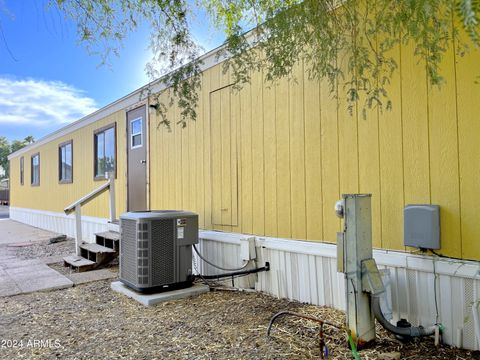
92 322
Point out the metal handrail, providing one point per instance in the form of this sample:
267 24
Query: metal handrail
77 207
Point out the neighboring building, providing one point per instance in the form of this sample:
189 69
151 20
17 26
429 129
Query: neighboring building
271 162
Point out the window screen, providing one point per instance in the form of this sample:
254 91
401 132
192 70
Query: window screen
105 152
35 169
22 170
65 162
136 133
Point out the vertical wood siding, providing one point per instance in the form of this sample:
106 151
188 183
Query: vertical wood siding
298 149
286 151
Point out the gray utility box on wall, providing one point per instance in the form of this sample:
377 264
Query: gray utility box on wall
156 249
421 227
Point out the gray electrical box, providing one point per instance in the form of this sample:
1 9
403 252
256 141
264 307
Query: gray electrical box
421 227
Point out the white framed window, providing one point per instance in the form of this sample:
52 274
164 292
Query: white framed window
35 170
105 150
65 162
136 133
22 170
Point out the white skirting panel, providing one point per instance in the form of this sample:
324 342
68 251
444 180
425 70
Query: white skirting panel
223 253
59 222
306 271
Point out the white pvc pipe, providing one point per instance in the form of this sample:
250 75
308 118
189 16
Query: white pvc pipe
78 228
459 337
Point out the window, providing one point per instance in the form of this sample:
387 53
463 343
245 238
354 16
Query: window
136 133
65 162
35 170
104 150
21 170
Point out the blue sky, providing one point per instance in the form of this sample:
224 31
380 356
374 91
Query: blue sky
47 79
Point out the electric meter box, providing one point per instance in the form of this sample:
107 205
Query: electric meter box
421 226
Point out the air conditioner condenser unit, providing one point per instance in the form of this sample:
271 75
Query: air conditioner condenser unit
156 249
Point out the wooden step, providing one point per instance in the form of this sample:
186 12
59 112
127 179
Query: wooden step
96 248
109 239
113 235
78 263
97 253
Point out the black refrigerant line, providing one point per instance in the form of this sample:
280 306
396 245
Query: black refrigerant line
236 273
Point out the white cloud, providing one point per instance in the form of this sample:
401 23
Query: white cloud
41 103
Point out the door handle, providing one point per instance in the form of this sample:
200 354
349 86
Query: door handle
143 161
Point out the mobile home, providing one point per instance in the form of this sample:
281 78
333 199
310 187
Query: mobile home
270 161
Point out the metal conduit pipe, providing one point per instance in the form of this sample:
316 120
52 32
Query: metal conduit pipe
407 331
304 316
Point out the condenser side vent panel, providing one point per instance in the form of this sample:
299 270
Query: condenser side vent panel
128 250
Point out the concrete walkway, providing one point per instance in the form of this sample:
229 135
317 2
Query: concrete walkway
19 276
4 212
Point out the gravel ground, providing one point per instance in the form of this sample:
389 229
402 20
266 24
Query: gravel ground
44 249
92 322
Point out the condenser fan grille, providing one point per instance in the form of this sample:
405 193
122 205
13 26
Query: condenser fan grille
163 252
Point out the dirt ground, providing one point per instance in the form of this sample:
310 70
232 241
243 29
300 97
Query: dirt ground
43 248
92 322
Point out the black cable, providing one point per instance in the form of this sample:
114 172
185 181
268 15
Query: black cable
217 266
213 284
449 257
237 273
205 281
234 277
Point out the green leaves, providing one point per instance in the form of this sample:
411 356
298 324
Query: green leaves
347 42
469 12
350 43
6 148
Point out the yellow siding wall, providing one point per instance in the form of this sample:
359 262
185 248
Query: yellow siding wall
283 154
51 195
298 149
